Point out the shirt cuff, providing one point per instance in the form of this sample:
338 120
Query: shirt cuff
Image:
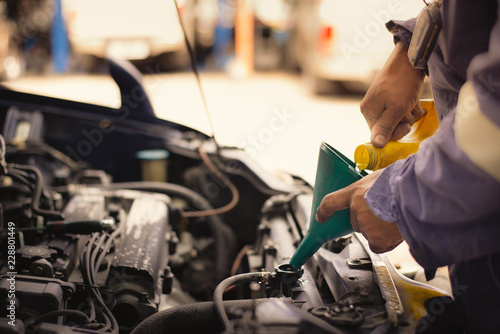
402 30
380 197
382 201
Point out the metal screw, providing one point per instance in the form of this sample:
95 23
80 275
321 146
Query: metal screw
39 271
363 295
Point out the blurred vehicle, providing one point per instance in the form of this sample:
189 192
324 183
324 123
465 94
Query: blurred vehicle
206 17
273 20
24 37
345 41
11 65
137 30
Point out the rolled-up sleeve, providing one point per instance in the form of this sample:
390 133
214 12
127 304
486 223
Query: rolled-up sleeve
401 30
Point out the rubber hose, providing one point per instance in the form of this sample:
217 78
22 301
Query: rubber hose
219 293
37 193
223 235
192 318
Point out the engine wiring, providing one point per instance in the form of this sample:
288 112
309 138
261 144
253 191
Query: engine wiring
19 172
238 259
31 177
38 147
59 313
98 244
234 191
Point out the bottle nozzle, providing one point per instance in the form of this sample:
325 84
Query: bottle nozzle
366 156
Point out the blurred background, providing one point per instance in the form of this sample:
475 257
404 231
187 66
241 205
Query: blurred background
280 76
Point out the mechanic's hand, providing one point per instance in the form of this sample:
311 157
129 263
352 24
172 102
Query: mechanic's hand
390 105
382 235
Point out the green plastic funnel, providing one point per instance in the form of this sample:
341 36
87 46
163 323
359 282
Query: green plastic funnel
334 172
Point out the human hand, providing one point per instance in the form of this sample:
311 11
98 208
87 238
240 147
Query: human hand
382 235
390 105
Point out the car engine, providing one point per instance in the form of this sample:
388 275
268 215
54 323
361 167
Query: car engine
89 243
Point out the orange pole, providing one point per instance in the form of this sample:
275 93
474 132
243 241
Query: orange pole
244 36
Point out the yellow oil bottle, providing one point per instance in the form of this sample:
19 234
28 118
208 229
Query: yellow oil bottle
367 156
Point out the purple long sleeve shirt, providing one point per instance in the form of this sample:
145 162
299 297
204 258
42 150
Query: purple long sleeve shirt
446 206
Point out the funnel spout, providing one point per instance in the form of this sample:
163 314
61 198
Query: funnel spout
334 172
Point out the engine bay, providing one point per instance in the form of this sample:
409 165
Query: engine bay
90 243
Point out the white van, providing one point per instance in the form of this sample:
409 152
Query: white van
127 29
346 41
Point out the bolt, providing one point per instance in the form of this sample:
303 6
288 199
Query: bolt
67 292
363 295
38 271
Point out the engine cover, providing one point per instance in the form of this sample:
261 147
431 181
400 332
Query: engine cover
129 277
135 274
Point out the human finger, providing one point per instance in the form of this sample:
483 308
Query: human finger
418 112
384 127
331 203
370 113
401 130
404 126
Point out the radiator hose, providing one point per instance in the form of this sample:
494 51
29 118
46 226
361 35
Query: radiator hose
192 318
